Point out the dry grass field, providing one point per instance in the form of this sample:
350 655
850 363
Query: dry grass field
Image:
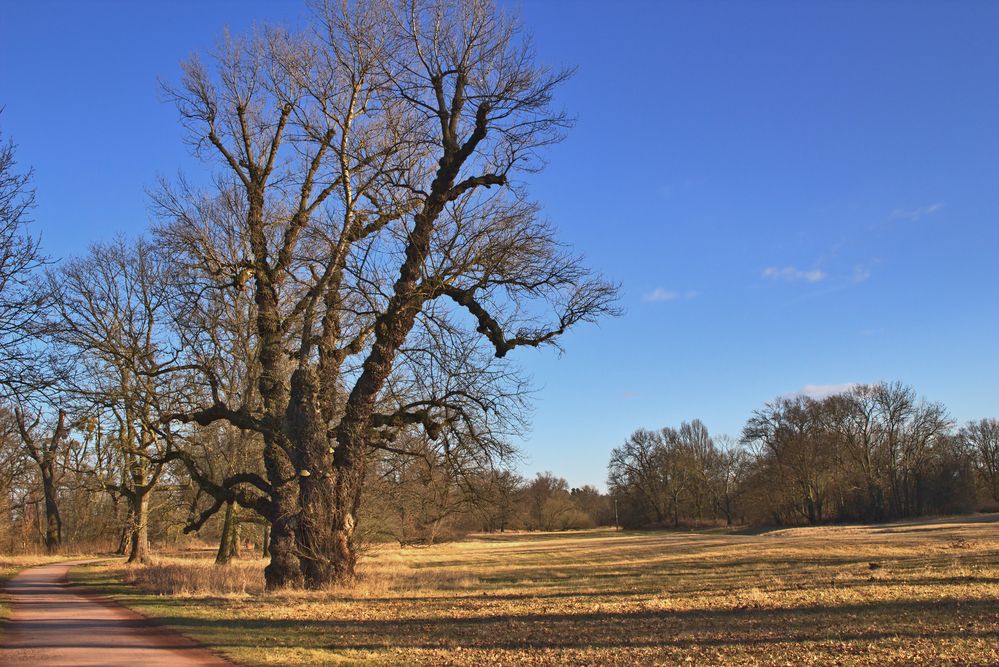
903 593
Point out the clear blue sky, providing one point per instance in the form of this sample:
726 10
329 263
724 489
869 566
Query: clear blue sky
792 194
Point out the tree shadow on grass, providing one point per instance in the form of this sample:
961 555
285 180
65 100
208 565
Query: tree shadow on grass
911 620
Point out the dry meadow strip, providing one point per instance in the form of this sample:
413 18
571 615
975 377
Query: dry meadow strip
904 593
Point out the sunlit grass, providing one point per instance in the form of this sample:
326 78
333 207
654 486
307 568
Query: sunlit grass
926 592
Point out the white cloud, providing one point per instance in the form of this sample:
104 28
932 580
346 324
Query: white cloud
793 274
915 213
820 391
860 273
661 294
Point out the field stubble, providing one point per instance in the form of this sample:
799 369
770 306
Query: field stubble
903 593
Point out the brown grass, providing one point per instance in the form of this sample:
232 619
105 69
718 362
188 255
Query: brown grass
923 592
11 565
195 577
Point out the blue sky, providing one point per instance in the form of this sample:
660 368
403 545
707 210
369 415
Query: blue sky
792 194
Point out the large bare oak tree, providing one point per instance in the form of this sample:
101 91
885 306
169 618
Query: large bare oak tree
367 179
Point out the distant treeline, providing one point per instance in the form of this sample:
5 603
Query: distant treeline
421 505
875 453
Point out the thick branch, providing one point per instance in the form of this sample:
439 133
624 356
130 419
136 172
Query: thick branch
486 180
218 412
491 329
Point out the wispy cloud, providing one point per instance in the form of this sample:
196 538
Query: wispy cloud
860 273
914 214
793 274
820 391
661 294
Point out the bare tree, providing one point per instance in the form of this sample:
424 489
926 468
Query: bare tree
791 439
45 451
904 431
359 160
496 498
636 470
695 454
982 439
111 308
549 503
13 476
728 478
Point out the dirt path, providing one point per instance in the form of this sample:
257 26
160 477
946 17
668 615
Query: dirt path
55 624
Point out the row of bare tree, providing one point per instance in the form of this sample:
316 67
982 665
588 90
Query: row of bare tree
339 293
421 504
874 453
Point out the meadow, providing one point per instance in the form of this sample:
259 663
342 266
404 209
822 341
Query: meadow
904 593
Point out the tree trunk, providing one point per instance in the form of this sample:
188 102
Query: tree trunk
284 570
348 498
53 522
139 534
229 541
390 332
122 548
876 505
236 547
45 457
125 530
318 545
265 545
316 537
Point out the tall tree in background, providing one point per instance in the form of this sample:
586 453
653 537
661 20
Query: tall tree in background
906 429
870 453
791 440
358 162
112 316
45 450
497 495
22 304
663 474
982 439
732 466
548 502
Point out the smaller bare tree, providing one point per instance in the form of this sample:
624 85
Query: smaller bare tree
45 450
110 310
981 438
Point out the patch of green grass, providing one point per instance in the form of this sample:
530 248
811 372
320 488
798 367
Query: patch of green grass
830 595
